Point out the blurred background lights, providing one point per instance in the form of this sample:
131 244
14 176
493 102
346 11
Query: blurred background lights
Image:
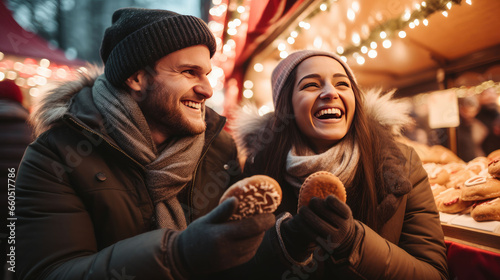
355 6
281 46
264 110
248 93
360 60
44 62
406 15
355 38
350 14
258 67
248 84
372 53
240 9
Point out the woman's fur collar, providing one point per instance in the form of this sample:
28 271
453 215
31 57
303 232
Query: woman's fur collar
56 102
383 108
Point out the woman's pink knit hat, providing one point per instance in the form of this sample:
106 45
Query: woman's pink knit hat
283 69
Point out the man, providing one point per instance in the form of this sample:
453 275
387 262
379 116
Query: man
128 167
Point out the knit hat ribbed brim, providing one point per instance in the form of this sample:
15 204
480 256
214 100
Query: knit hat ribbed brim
139 37
284 68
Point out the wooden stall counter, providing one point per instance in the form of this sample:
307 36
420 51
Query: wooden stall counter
473 248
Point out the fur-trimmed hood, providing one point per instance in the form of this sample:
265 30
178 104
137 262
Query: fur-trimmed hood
55 103
383 108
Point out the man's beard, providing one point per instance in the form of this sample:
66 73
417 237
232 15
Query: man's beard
167 119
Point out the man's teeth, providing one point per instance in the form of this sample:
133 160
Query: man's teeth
331 111
192 104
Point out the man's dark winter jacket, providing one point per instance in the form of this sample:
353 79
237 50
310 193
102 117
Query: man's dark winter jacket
83 209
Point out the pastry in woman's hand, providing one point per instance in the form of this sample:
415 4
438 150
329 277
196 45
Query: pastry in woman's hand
321 184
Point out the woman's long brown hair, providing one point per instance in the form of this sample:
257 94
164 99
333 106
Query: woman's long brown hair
271 158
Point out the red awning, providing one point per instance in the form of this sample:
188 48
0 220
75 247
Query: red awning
15 40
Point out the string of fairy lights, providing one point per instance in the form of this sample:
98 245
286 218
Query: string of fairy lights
363 45
381 34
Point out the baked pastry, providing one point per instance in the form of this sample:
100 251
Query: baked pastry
437 189
454 167
480 188
458 179
477 165
488 210
494 154
256 195
321 184
436 173
494 168
449 201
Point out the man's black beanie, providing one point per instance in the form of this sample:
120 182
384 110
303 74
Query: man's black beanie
139 37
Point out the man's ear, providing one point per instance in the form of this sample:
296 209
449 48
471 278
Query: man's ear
137 82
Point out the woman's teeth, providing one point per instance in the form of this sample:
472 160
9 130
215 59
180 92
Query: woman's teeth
328 113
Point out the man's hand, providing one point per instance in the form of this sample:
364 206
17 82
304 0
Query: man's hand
213 243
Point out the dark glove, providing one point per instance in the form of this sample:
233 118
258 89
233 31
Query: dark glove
331 220
298 243
213 243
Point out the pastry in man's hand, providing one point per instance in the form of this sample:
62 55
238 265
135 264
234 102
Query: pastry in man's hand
256 195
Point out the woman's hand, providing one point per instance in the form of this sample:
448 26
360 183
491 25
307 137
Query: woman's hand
331 221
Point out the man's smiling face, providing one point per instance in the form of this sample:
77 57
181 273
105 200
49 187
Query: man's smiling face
175 103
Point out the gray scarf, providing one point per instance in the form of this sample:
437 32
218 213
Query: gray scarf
341 160
168 170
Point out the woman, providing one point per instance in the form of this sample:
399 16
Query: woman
389 227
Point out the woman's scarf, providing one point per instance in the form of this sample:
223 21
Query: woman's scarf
168 170
341 160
